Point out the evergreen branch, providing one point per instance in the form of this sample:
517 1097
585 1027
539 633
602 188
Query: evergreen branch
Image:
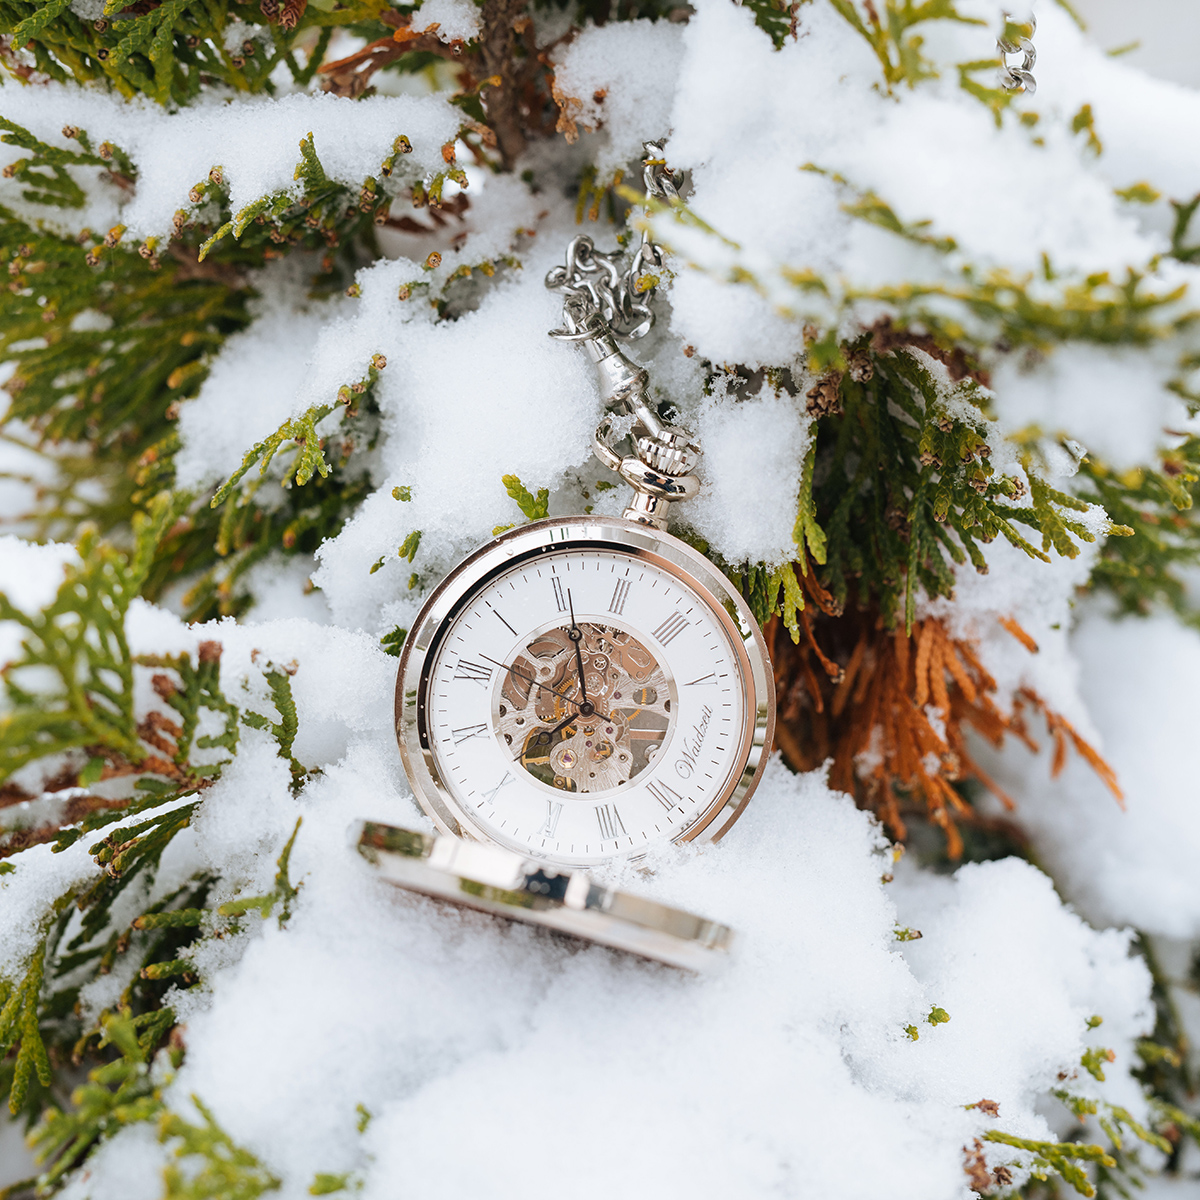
534 507
225 1170
808 534
282 894
80 641
19 1026
1184 212
285 729
309 459
1061 1158
893 39
117 1095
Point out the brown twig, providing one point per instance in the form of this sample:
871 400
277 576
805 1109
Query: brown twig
894 717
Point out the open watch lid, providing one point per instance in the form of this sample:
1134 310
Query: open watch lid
498 881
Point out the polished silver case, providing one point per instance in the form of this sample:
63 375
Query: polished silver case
555 535
497 881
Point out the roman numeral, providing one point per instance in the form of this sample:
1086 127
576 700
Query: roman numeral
710 678
553 812
560 597
609 821
670 628
474 672
616 605
490 797
667 797
468 731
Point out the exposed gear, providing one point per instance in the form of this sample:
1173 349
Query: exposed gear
537 708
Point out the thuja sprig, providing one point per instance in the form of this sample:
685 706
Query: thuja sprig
116 1095
170 51
19 1027
323 213
893 38
903 490
283 893
1156 504
220 1170
1057 1158
45 170
968 312
79 643
283 730
73 380
534 507
301 431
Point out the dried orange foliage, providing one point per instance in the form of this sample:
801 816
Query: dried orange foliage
891 711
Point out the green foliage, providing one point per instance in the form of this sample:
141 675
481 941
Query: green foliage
1184 212
1093 1061
172 50
282 894
301 431
81 935
410 546
19 1027
79 641
971 311
771 591
1156 505
116 1095
223 1170
534 507
776 18
893 37
324 213
393 642
285 729
1058 1158
325 1184
45 170
903 488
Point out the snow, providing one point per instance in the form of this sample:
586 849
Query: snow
1135 865
753 454
453 19
253 140
482 1048
619 77
1113 401
434 1019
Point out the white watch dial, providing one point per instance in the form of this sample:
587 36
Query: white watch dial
584 705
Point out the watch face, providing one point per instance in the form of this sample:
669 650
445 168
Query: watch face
579 691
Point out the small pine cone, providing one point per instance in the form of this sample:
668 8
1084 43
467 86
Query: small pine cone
270 10
825 399
860 367
292 11
210 652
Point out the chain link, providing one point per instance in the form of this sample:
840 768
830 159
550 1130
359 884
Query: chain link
593 283
600 304
1019 78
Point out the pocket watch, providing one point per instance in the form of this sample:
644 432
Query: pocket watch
582 688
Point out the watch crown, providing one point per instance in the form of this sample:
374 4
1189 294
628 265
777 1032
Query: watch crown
671 453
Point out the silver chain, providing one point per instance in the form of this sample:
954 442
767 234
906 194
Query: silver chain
1019 78
600 304
592 282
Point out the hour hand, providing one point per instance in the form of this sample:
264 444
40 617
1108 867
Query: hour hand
547 735
576 636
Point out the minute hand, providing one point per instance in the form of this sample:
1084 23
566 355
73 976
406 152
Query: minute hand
576 636
544 686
